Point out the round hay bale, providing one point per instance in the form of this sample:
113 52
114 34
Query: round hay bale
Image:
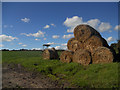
102 55
105 43
66 56
94 42
50 54
56 56
82 56
74 44
83 32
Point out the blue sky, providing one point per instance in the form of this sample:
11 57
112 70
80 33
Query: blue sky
30 25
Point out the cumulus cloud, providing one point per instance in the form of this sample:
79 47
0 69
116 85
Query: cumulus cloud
20 43
26 20
64 44
55 36
7 38
45 39
104 27
47 26
71 23
61 47
93 22
7 26
36 48
38 34
1 45
24 45
117 27
68 36
52 24
11 26
37 39
110 39
51 43
57 47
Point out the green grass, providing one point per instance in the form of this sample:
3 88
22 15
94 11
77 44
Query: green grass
93 76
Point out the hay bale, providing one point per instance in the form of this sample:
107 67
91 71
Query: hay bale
66 56
102 55
94 42
74 44
50 54
82 56
105 43
83 32
56 56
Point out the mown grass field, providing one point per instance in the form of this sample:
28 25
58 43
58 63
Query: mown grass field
92 76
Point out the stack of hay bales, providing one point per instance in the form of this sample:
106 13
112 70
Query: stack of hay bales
50 54
87 46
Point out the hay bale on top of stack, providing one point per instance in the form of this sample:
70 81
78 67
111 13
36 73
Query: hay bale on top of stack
85 47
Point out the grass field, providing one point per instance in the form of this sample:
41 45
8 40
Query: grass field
93 76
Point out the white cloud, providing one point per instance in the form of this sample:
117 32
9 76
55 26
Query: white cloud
36 48
52 24
70 30
20 43
68 36
11 26
64 44
117 27
110 39
47 26
51 43
55 36
104 27
93 22
57 47
1 45
26 20
38 34
110 31
71 23
24 45
5 26
61 47
7 38
37 39
45 38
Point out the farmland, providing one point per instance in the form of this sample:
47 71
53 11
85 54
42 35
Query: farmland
92 76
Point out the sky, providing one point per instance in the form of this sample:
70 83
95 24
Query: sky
29 25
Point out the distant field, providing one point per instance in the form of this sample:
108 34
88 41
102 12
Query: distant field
94 75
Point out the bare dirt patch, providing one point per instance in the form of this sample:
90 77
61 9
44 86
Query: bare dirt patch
20 78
